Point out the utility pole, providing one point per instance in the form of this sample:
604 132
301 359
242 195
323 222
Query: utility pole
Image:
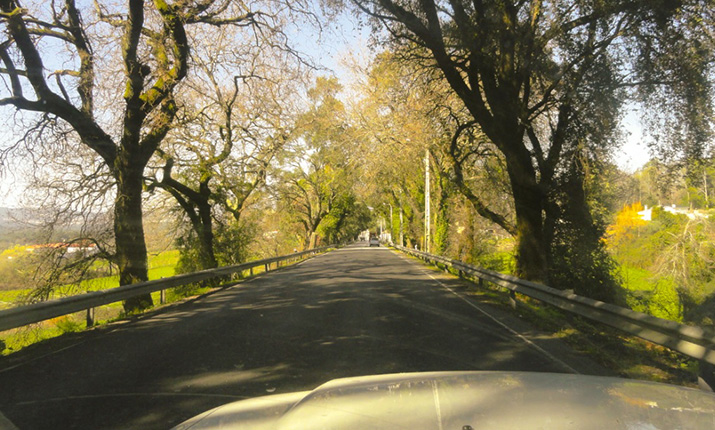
392 233
402 237
427 203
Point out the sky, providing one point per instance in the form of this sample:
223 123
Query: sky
346 39
341 41
12 186
634 153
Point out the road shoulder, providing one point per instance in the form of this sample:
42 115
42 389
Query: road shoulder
549 344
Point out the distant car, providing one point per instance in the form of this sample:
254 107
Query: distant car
374 241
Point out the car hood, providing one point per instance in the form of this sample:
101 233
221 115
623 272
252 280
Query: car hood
471 400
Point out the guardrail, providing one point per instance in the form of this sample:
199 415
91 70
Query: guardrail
24 315
689 340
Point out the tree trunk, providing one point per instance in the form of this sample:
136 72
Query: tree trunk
532 247
206 235
129 230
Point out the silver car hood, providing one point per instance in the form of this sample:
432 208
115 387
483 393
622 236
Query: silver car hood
471 400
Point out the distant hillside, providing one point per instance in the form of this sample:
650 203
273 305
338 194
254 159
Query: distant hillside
15 217
23 227
18 227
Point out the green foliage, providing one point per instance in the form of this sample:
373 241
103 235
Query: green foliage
440 235
693 198
639 244
582 264
67 324
650 294
667 265
232 242
346 219
578 257
500 261
231 246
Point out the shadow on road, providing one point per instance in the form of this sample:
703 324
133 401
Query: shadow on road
347 313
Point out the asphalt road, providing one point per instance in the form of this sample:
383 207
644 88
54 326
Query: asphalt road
355 311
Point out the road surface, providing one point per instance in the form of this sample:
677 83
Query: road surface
350 312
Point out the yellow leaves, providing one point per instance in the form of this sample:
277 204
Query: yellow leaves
629 216
535 12
627 221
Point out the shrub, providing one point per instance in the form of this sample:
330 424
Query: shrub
67 325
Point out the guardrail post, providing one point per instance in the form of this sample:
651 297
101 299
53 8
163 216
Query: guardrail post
250 271
512 299
268 267
90 317
162 297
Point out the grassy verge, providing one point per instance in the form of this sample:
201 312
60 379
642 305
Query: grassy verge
161 266
625 355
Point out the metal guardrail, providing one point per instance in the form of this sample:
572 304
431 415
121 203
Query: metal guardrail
24 315
689 340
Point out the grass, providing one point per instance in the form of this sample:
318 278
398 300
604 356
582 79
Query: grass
8 297
14 340
644 292
636 279
160 266
625 355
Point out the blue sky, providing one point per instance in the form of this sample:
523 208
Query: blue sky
343 38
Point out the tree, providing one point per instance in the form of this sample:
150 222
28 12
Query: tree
235 117
313 190
322 171
115 89
395 126
544 82
345 220
403 112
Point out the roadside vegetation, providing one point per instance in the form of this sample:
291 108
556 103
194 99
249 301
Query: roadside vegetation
624 355
18 264
666 263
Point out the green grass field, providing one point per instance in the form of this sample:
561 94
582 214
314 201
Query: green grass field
645 292
161 265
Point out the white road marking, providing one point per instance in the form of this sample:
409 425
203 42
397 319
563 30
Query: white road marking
5 423
511 330
363 248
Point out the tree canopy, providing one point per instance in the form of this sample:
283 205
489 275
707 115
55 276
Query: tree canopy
545 82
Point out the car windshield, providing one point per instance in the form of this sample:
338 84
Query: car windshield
206 202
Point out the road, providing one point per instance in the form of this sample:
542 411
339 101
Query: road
354 311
